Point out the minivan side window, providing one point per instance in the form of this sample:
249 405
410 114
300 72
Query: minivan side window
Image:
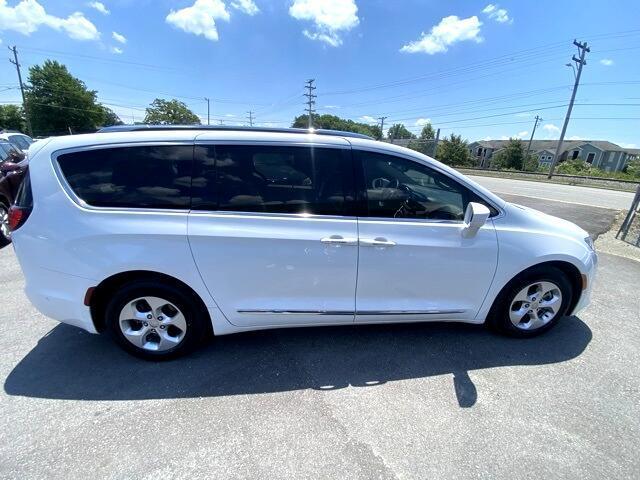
273 179
399 188
131 177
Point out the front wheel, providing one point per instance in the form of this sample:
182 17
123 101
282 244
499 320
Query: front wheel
154 321
532 303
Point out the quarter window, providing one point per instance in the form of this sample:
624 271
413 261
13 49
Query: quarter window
131 177
400 188
273 179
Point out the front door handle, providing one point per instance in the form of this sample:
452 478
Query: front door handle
376 242
339 240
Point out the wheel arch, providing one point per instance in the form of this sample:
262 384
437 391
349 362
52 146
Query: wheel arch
570 271
101 293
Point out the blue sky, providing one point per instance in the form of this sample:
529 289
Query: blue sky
479 69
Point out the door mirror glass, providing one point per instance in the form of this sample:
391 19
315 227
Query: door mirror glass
475 217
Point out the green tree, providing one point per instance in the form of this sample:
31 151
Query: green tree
12 118
512 157
333 122
398 130
57 101
454 151
425 142
110 118
170 112
633 168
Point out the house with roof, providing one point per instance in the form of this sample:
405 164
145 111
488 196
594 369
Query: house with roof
602 154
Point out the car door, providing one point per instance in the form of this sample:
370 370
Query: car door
272 232
414 261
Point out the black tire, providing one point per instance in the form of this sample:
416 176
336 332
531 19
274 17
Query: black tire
4 241
196 319
499 319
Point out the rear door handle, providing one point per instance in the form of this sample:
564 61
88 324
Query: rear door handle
376 242
339 240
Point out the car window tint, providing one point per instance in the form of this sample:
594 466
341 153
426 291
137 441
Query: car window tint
132 177
19 141
400 188
273 179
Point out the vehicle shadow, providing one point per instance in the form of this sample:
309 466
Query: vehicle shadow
71 364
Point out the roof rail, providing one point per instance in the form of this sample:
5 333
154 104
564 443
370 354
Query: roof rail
137 128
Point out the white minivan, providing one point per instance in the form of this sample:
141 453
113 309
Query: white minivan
163 236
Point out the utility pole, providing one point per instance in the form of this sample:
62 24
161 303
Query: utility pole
208 100
24 103
583 49
435 144
382 119
310 101
250 114
538 119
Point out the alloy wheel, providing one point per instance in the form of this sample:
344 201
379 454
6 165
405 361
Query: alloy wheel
5 231
535 305
152 323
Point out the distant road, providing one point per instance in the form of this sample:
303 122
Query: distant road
595 197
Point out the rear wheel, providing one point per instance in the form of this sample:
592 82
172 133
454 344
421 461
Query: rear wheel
531 303
5 231
155 321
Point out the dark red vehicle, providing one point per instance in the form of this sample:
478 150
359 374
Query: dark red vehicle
13 166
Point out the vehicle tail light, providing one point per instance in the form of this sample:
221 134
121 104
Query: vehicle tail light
17 217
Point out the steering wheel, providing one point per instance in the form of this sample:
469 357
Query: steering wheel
381 182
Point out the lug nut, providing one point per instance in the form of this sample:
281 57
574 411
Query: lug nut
145 324
149 317
162 327
160 319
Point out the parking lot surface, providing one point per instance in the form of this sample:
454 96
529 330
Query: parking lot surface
403 401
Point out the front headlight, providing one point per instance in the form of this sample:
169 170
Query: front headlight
589 242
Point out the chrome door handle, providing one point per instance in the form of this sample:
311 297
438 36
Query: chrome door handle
376 242
339 240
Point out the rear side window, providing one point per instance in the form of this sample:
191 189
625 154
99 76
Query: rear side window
24 197
20 141
131 177
273 179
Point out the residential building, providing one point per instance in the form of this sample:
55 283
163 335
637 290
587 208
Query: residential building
600 153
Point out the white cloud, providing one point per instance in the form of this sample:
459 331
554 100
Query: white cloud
450 30
331 107
421 122
522 134
119 38
500 15
551 129
368 119
628 145
330 18
116 50
28 16
607 62
99 6
246 6
574 137
200 18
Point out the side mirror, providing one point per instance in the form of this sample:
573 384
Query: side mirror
475 217
7 167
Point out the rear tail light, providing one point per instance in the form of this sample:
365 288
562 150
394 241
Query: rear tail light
17 217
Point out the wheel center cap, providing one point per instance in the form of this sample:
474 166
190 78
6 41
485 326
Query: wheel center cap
154 323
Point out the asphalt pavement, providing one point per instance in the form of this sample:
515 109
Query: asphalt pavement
402 401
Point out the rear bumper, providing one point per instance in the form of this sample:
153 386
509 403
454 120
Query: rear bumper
60 296
590 272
